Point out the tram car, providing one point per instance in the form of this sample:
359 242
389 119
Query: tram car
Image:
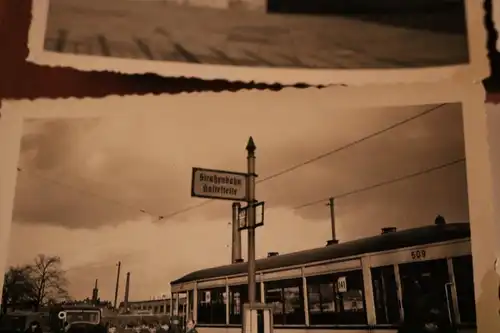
364 285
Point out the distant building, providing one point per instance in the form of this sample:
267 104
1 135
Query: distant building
155 306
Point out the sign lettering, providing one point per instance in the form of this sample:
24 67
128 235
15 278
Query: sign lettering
218 184
418 254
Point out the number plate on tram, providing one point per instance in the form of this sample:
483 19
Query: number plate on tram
418 254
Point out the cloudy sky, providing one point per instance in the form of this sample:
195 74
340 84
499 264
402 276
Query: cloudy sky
84 183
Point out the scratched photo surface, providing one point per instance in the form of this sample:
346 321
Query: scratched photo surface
102 196
314 34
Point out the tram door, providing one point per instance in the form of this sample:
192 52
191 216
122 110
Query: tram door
428 282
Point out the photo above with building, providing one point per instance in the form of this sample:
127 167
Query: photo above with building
314 34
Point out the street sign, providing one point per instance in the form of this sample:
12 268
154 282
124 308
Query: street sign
218 184
259 216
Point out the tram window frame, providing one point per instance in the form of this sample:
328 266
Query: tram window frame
297 316
324 284
387 302
465 289
215 312
236 312
190 300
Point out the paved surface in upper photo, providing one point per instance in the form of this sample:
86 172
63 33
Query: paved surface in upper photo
157 30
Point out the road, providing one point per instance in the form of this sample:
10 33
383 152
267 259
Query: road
156 30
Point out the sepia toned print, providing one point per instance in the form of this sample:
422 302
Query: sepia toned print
290 37
354 195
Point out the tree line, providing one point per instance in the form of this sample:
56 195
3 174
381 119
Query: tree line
33 286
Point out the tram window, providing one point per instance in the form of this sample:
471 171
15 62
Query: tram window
238 295
162 308
286 297
191 303
336 299
212 306
385 295
464 284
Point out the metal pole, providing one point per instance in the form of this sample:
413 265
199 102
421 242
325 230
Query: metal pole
332 219
236 249
117 282
251 219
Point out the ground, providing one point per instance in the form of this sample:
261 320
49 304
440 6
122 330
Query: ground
157 30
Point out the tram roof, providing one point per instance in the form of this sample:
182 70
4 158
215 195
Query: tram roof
383 242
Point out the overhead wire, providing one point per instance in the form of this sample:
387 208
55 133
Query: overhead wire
383 183
262 180
352 143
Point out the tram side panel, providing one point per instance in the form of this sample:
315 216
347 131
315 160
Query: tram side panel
441 272
373 297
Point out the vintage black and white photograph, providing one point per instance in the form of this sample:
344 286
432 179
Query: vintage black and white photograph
358 217
258 34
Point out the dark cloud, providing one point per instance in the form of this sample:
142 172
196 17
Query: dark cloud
85 174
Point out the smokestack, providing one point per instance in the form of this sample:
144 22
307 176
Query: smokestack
117 283
95 293
236 237
332 221
127 290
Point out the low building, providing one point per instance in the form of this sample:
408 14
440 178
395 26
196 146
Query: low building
153 306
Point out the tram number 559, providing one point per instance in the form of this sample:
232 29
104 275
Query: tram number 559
418 254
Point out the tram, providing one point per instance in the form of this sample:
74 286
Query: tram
365 285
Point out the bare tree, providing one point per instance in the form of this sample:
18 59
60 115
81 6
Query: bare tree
18 288
49 280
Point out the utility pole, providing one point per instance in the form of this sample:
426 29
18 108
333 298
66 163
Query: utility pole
332 221
117 283
251 220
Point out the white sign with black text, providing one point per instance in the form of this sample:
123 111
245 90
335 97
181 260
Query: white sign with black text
342 284
218 184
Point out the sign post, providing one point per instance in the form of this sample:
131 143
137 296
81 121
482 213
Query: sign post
236 186
251 220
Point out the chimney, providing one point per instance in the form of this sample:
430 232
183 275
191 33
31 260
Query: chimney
127 290
388 230
95 293
332 221
439 220
117 286
272 254
236 236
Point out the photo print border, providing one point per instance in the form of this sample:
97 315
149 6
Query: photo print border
476 69
483 213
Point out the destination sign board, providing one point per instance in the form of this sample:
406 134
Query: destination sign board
218 184
243 216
